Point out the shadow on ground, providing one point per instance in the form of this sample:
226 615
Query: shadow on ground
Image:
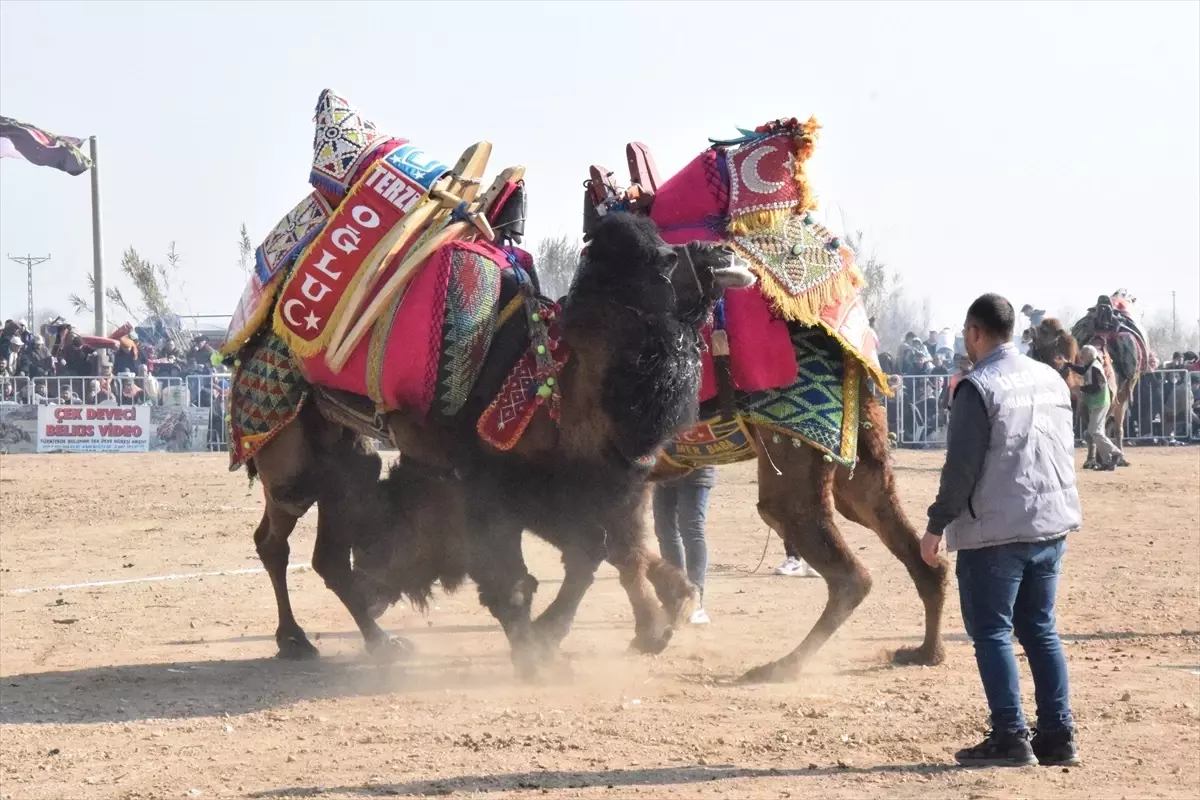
179 690
610 779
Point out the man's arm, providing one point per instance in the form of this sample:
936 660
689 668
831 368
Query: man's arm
967 444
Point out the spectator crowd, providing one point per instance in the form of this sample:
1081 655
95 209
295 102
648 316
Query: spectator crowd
56 365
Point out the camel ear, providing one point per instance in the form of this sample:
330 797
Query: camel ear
668 258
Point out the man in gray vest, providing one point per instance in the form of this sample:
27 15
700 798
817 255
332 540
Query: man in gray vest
1006 504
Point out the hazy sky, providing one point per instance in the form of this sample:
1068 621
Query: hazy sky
1050 152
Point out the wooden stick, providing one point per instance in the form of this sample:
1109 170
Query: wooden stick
449 191
413 261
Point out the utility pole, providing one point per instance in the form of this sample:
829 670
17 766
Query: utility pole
30 262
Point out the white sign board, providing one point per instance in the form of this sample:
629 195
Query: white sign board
93 429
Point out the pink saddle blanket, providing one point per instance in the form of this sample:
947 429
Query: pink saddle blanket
450 303
761 355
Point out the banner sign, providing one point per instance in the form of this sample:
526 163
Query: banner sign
93 429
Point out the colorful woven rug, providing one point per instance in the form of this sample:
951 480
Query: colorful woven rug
822 406
532 383
711 444
268 392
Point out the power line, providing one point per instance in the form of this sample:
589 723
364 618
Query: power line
30 262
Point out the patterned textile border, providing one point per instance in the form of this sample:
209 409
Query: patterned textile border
271 260
268 392
801 268
822 406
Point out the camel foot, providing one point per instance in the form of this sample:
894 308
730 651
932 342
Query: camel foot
1121 462
919 656
679 614
296 647
390 649
775 672
651 645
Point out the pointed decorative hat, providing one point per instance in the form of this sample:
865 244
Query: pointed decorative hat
343 140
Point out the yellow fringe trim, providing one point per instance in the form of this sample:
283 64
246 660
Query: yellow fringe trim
235 343
758 220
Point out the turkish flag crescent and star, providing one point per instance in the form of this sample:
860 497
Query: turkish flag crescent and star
24 141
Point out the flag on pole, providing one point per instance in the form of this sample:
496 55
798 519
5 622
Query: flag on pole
21 140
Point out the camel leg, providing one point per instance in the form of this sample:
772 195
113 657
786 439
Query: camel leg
660 593
798 505
870 500
506 589
271 541
331 560
554 623
1119 409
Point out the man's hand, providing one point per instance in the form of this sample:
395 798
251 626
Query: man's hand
931 543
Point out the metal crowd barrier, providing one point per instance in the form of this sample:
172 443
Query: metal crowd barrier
1161 411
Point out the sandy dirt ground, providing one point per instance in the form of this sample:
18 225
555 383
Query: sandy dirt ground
169 688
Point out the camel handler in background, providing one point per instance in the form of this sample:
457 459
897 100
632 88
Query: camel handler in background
1006 504
1097 398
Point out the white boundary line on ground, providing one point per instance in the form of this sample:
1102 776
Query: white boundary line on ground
178 576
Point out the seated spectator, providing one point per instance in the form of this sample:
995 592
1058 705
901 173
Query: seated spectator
129 394
148 384
41 394
11 363
98 394
38 361
126 357
68 397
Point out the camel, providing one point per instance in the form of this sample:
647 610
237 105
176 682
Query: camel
1051 341
799 488
631 323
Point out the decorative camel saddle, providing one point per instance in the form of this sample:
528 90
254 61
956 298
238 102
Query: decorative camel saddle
1111 321
789 354
383 283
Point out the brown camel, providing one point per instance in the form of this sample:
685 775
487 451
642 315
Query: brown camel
631 322
1051 341
799 489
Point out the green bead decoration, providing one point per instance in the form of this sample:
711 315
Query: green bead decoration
797 249
828 458
215 359
536 317
541 349
549 381
544 391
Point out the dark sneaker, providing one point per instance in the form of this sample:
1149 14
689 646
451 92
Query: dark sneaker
998 750
1056 748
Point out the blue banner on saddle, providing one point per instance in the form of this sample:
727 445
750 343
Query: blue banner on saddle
417 165
711 444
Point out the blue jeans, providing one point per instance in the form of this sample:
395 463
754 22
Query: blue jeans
1007 589
679 512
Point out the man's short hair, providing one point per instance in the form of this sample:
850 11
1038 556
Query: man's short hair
994 315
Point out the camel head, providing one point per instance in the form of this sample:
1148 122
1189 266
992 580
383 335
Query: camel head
1051 340
632 319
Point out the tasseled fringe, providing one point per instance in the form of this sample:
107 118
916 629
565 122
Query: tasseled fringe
805 142
756 221
806 309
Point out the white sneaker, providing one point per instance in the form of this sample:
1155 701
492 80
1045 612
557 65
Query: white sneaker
796 568
699 617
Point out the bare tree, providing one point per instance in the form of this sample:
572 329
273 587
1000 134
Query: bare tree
245 251
555 259
893 312
152 282
1166 338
